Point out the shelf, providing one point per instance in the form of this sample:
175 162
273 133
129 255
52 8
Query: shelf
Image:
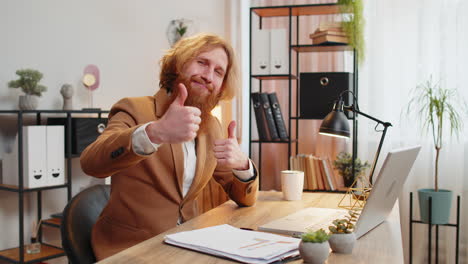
304 118
53 222
15 188
297 10
273 141
47 252
322 47
274 77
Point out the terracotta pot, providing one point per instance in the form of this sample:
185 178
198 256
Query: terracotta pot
314 253
342 243
28 102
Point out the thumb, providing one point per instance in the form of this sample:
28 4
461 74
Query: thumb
232 129
182 96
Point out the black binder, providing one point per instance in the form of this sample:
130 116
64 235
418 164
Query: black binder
270 120
279 121
260 117
264 116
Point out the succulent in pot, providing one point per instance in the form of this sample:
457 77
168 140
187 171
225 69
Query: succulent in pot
342 238
314 247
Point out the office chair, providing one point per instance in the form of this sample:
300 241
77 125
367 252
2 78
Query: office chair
79 216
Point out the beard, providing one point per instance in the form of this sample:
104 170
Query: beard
203 101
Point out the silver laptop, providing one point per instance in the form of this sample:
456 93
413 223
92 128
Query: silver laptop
380 202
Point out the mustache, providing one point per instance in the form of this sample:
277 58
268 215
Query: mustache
200 80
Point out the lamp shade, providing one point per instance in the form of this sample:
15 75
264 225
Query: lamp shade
335 123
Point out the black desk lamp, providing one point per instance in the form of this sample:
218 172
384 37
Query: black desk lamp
336 124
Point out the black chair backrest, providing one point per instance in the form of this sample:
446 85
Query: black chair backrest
79 216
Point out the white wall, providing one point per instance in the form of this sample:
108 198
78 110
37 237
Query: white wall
125 39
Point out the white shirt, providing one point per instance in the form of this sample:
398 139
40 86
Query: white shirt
142 145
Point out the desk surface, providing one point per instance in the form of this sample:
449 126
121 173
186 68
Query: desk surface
382 245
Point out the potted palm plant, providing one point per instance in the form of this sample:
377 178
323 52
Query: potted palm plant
437 109
314 247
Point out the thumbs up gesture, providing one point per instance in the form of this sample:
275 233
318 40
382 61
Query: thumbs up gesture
228 152
179 124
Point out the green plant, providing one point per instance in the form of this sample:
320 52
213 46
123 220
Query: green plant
353 24
181 28
344 165
433 105
318 236
344 226
28 82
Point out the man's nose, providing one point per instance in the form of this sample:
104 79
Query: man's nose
207 75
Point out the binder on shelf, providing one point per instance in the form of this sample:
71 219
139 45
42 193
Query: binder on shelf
55 155
270 119
279 121
261 52
260 117
34 159
279 51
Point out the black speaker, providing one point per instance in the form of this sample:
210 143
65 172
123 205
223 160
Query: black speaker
318 91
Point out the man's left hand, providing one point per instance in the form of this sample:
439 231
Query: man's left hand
228 152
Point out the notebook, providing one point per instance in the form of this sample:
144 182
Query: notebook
379 204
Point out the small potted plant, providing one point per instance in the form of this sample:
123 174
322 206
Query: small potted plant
342 238
29 83
438 108
177 29
314 247
344 165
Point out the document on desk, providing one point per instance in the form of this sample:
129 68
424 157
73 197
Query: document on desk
234 243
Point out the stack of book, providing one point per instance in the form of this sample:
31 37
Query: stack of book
318 173
329 32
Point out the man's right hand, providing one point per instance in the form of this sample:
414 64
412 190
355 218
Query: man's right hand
179 124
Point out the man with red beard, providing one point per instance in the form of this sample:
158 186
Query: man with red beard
162 150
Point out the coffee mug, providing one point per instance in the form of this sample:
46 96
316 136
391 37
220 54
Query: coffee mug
292 184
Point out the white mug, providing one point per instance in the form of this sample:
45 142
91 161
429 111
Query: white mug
292 184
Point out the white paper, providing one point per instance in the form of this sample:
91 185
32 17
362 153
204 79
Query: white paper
242 245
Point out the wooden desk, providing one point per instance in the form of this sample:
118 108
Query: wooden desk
382 245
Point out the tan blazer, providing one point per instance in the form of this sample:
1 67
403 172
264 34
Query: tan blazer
146 191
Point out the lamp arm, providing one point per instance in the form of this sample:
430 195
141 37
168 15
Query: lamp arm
353 109
371 175
384 131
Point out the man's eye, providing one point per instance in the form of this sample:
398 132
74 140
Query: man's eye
201 62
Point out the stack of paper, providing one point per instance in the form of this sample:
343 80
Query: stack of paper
234 243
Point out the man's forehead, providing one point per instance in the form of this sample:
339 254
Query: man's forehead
209 54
